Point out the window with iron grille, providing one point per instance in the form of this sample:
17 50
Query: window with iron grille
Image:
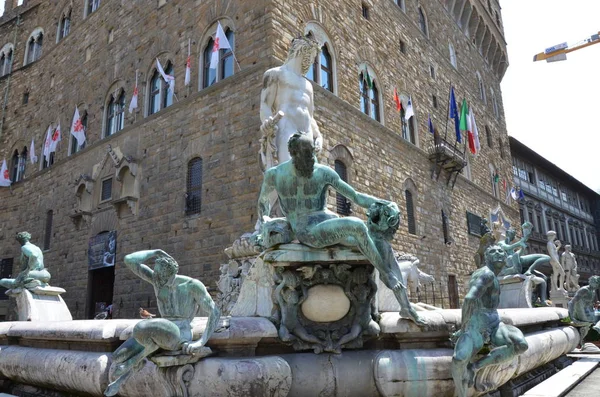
473 224
48 233
410 212
445 228
193 202
6 266
342 203
106 193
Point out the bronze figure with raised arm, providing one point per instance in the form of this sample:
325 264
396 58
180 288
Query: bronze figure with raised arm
180 299
302 184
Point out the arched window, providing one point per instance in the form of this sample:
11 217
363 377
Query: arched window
452 55
115 113
225 68
410 212
84 122
343 205
323 70
193 197
155 83
34 46
6 57
408 126
495 105
401 4
501 147
161 95
48 231
423 22
167 96
91 6
481 87
15 166
495 179
369 103
490 139
64 26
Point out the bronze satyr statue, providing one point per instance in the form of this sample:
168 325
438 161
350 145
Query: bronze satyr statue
481 325
32 274
179 299
302 184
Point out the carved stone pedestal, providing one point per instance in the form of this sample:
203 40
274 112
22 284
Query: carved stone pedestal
320 299
40 304
515 292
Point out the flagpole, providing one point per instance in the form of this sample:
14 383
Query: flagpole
136 87
448 111
189 87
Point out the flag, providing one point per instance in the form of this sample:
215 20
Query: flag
454 114
409 110
221 43
170 80
77 129
134 99
504 184
521 194
188 67
56 137
496 178
4 175
474 132
32 155
513 193
464 111
470 135
397 100
46 152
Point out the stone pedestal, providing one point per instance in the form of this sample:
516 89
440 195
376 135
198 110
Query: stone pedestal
321 299
40 304
559 298
515 291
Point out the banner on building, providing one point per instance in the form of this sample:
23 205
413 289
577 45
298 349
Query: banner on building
102 250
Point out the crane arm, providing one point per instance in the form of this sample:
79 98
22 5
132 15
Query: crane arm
559 52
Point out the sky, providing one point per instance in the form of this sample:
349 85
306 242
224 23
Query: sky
554 108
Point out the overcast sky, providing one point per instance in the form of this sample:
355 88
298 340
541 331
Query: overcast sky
554 108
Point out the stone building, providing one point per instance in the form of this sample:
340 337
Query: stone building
182 172
554 200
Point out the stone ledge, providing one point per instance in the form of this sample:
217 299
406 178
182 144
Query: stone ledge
440 320
560 384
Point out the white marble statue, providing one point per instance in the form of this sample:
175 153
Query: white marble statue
569 264
287 103
558 274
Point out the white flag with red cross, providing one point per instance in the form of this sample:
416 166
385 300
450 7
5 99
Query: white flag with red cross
77 128
221 43
170 80
188 66
4 175
54 139
46 152
134 98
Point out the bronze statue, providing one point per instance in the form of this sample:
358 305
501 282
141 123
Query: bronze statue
180 299
33 273
481 325
302 184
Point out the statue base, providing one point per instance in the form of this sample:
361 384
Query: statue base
560 298
289 285
40 304
515 291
